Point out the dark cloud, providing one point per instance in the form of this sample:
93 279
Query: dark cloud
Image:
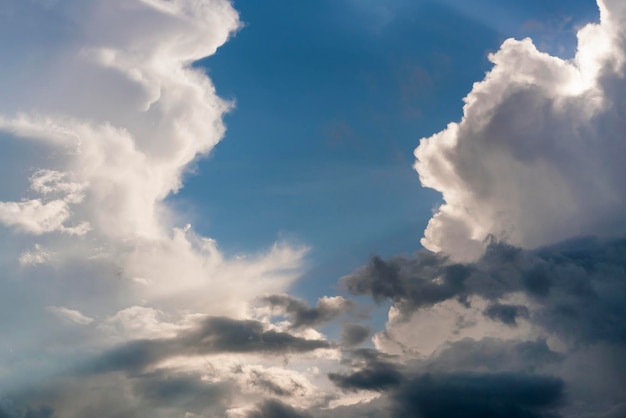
411 283
275 409
186 391
302 315
371 370
9 411
479 396
266 382
494 355
438 387
213 335
507 314
221 334
354 334
579 286
618 411
161 393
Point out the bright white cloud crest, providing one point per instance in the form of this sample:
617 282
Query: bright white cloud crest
536 157
116 104
106 90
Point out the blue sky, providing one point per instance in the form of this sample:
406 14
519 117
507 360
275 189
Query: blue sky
331 99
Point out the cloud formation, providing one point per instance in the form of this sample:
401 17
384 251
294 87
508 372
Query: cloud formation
302 315
105 114
129 312
536 157
522 280
213 335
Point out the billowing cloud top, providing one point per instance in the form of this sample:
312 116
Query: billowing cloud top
112 91
537 155
107 92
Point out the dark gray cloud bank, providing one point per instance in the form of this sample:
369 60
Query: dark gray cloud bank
576 291
578 286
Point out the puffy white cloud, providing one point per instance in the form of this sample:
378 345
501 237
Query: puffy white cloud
428 330
37 255
537 156
38 216
104 95
120 113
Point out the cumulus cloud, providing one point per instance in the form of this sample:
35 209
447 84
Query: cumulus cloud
569 288
493 320
108 112
538 314
486 378
121 114
536 157
522 279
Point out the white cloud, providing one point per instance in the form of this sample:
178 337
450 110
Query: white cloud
105 95
37 255
138 322
121 113
70 315
427 330
538 154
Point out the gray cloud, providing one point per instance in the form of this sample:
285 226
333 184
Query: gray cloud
8 411
579 285
213 335
492 354
180 391
266 382
575 296
489 378
275 409
303 315
412 283
354 334
505 313
160 394
479 396
371 370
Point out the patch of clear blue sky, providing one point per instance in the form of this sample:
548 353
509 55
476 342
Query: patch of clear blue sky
332 97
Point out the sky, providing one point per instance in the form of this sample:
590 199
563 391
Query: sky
355 208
